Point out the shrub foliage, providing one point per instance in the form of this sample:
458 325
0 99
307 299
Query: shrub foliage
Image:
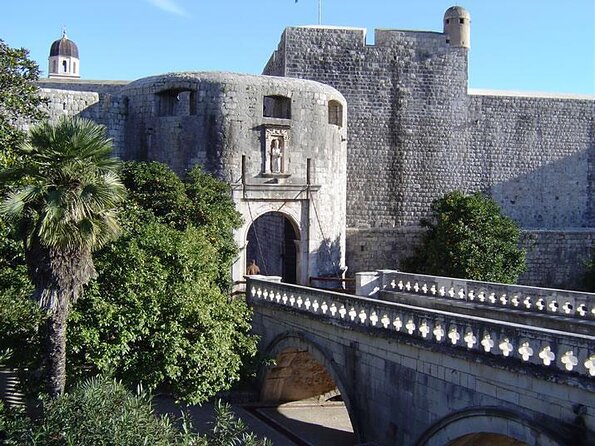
159 312
102 412
468 237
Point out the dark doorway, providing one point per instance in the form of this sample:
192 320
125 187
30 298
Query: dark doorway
272 242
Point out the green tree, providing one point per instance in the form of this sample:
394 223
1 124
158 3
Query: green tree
20 102
64 211
468 237
159 312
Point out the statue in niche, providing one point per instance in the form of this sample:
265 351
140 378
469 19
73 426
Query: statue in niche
276 156
275 143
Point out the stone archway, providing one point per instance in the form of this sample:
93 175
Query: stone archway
296 376
303 370
486 439
272 241
489 426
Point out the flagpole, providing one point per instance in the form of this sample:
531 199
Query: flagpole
320 12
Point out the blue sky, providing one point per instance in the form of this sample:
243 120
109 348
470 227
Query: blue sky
526 45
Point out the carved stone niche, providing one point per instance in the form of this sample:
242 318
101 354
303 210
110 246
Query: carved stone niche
275 151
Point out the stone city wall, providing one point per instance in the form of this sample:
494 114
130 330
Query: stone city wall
404 94
534 155
99 102
557 258
414 133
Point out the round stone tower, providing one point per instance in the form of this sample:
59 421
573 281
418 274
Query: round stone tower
457 27
64 59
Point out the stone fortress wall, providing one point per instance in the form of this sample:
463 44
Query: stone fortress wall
415 133
412 132
228 123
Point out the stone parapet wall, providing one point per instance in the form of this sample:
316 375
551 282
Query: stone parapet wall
101 87
372 249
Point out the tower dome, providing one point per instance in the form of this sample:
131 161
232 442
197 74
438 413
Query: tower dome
64 59
457 27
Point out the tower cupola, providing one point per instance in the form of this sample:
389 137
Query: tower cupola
457 27
64 59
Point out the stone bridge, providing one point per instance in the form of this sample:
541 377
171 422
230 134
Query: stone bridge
424 360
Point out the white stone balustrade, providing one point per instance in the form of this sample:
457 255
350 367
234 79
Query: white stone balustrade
571 304
520 344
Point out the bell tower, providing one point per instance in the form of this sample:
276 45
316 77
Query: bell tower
64 59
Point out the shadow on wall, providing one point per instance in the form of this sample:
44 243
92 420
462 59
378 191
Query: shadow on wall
556 195
328 258
553 204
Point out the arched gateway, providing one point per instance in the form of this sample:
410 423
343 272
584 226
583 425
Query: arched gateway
273 242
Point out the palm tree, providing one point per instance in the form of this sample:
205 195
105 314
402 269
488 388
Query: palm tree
65 189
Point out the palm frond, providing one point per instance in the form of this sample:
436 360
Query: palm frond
74 187
14 205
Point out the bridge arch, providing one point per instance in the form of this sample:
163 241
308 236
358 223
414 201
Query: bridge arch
488 425
293 341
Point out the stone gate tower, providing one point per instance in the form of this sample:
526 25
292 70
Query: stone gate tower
64 59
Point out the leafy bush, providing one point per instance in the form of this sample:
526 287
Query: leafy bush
229 430
102 412
20 317
158 312
468 237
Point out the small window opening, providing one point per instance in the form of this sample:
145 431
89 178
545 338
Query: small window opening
447 21
176 103
461 21
65 65
276 107
335 113
74 67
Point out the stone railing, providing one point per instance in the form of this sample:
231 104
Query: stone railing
521 344
571 304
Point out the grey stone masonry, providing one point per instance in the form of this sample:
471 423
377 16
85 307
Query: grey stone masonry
99 101
415 133
280 143
405 94
428 360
